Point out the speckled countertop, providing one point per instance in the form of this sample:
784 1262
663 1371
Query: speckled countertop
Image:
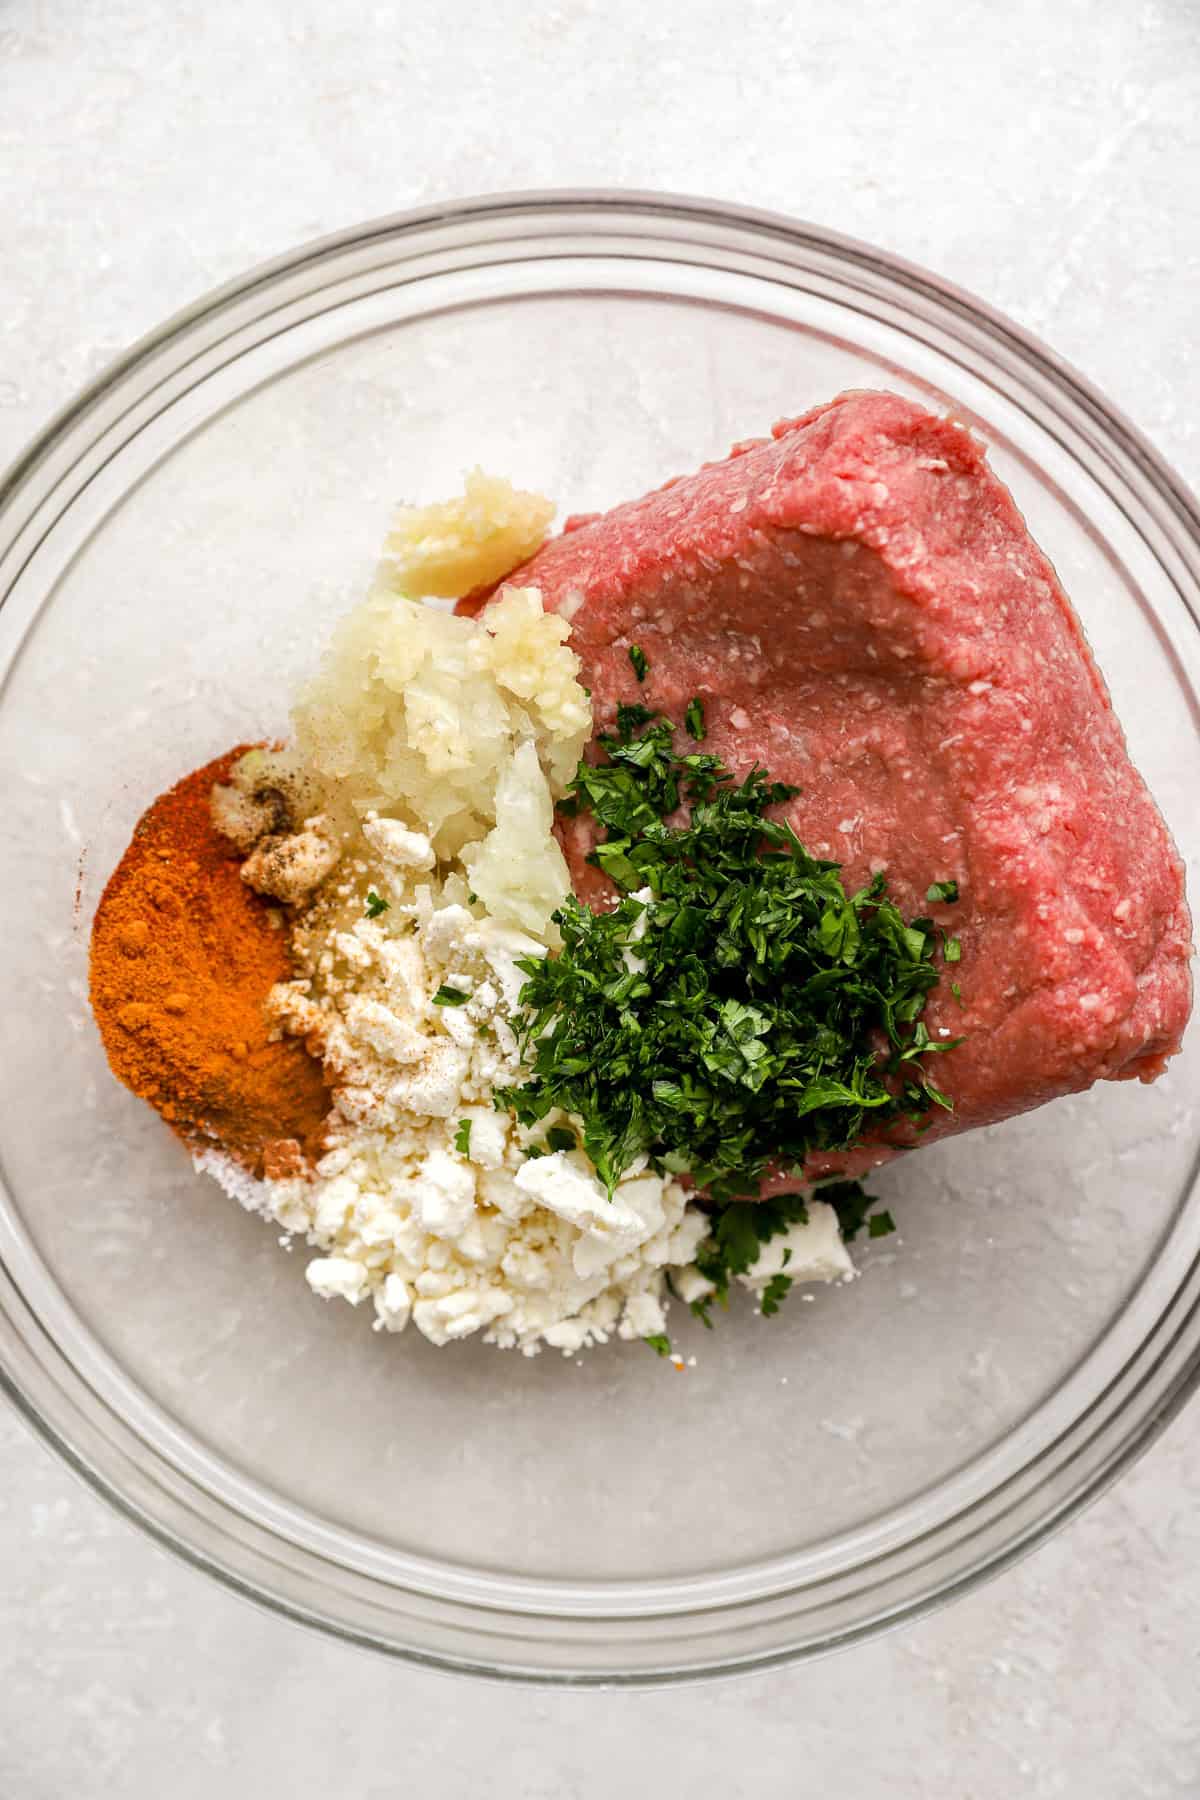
1045 157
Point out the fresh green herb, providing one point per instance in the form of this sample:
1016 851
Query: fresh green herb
850 1201
956 991
774 1294
739 1231
450 996
942 890
376 904
693 718
952 950
631 716
462 1137
659 1342
471 899
637 657
778 1288
922 1044
735 1022
559 1138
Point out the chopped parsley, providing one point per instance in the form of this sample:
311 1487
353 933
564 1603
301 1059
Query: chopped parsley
462 1137
852 1204
659 1342
741 1229
738 1234
450 996
942 890
693 719
952 950
777 1289
637 657
922 1044
880 1224
631 716
775 1292
559 1138
753 1014
376 904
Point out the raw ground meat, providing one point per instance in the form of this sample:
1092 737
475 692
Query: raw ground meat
862 610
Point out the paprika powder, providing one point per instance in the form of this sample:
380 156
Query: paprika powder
183 956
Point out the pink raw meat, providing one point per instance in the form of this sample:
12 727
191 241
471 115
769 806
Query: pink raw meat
863 612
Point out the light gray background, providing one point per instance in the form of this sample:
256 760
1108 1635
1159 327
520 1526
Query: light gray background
1045 155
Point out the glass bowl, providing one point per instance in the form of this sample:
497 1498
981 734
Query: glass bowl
172 550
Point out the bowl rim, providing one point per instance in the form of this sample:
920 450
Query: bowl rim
1111 430
654 203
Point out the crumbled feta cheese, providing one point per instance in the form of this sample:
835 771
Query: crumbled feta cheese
461 1312
376 1025
332 1276
691 1285
644 1315
402 968
607 1229
393 1304
809 1252
335 1202
436 1087
568 1335
446 1195
350 947
396 844
489 1140
443 932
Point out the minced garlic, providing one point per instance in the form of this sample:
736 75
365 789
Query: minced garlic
451 548
464 730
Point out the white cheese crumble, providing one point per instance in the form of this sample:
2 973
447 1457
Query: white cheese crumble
810 1251
396 844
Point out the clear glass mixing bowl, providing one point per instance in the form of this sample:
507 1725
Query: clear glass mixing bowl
172 550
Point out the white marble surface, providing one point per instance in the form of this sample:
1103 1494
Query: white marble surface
1045 156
